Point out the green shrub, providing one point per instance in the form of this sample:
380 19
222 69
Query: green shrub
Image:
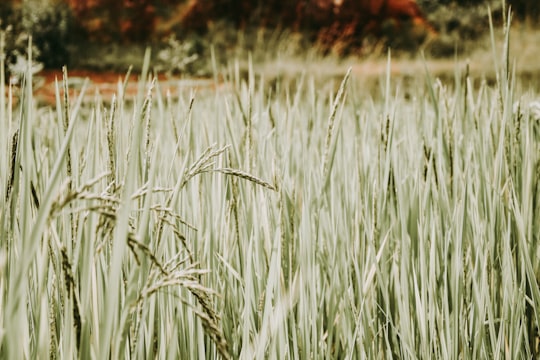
49 24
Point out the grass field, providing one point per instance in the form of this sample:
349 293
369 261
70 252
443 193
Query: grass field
274 219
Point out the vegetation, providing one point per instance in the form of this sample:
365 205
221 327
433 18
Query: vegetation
50 25
282 220
74 32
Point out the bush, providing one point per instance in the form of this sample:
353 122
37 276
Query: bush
14 44
526 8
521 8
48 22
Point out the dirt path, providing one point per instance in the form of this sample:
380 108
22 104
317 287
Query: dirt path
103 85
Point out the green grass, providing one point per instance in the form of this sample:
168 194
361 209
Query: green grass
280 220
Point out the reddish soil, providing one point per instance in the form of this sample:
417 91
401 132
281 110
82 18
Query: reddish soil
103 85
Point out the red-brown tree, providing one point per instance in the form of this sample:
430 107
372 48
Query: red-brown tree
327 21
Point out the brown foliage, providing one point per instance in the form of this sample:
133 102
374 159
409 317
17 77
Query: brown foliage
327 21
124 20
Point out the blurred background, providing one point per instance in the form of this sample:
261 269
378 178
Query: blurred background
185 34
